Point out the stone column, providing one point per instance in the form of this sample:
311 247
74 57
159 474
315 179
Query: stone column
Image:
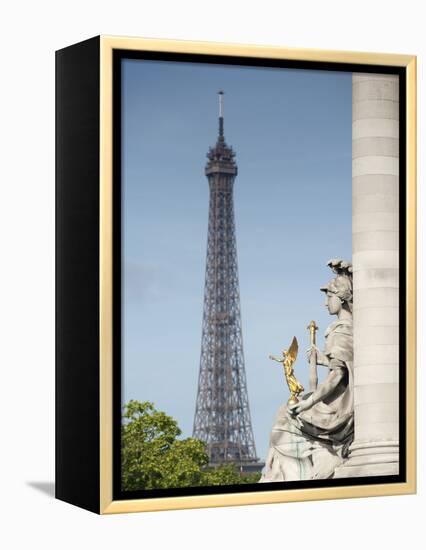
375 233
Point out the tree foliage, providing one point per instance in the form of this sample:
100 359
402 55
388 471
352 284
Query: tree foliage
228 475
153 456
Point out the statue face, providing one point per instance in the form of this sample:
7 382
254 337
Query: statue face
333 303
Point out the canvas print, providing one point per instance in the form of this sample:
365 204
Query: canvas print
260 275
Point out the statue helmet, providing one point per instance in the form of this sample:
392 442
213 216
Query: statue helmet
341 285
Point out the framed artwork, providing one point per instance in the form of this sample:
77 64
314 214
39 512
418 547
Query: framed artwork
221 209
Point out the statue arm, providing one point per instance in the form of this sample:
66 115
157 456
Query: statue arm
320 357
336 374
333 379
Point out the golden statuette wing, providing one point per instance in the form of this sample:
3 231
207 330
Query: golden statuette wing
292 350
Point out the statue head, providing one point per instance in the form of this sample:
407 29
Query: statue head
340 288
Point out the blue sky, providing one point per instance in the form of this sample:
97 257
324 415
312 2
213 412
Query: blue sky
291 131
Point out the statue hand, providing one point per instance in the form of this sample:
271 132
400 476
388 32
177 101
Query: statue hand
311 352
301 406
320 358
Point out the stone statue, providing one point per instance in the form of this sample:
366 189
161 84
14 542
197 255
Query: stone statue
311 438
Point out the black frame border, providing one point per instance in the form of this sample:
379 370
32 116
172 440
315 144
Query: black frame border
77 375
118 56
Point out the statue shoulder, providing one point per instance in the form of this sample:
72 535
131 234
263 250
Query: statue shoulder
344 327
339 340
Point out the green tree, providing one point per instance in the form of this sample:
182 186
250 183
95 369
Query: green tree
228 474
154 458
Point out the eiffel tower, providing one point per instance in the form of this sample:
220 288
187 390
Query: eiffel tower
222 414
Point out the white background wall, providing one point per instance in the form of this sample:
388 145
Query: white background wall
30 32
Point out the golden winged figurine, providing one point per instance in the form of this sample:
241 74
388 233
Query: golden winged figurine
287 360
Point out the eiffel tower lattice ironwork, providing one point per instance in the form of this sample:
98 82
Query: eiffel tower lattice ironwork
222 415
